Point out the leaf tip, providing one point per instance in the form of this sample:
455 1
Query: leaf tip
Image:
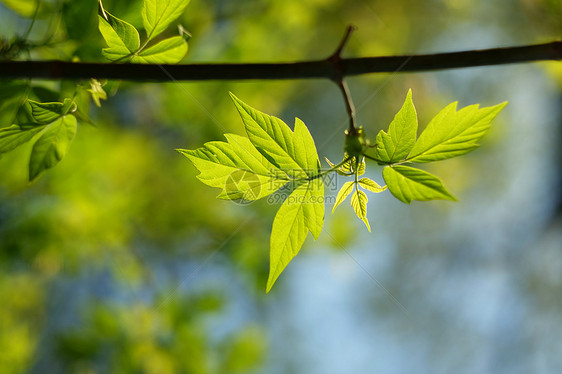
367 224
233 96
270 282
502 105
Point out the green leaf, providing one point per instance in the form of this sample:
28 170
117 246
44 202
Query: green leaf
301 212
451 133
397 143
15 135
168 51
97 92
371 185
361 167
351 166
359 203
293 152
338 170
45 113
52 146
344 191
158 14
121 37
253 167
407 184
237 168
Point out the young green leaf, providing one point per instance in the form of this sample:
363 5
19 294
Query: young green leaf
451 133
361 167
158 14
97 91
293 152
341 171
344 191
371 185
347 167
168 51
237 168
407 184
301 212
254 167
45 113
121 37
51 147
397 143
15 135
359 203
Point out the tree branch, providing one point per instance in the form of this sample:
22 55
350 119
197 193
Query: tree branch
56 70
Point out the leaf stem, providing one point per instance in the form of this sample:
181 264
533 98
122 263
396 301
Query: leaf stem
335 168
336 60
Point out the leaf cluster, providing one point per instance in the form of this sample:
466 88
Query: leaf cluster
50 118
274 158
123 40
52 124
271 157
449 134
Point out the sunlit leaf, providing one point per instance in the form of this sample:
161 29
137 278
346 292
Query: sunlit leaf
407 184
361 167
253 167
168 51
347 167
15 135
397 143
338 170
451 133
237 168
371 185
359 203
293 152
301 212
344 191
122 38
158 14
52 146
97 92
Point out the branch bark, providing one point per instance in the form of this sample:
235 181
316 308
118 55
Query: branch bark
56 70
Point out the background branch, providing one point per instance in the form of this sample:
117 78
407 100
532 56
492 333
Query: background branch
291 70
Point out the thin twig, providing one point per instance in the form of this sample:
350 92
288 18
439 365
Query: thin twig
337 53
57 70
335 59
349 106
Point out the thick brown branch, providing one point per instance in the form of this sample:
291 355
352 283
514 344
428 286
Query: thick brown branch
56 70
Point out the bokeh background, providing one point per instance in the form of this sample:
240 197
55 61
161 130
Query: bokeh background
120 261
